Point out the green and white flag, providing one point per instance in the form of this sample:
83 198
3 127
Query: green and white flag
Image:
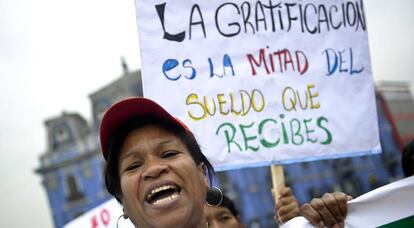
389 206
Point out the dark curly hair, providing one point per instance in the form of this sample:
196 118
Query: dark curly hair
227 203
111 172
408 159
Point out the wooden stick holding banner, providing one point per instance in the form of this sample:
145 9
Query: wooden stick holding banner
278 179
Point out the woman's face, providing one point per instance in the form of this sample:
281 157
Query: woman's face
220 217
160 182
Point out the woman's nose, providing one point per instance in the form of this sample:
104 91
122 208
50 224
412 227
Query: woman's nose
155 170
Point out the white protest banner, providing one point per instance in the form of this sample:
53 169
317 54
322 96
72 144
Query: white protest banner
105 215
388 206
262 82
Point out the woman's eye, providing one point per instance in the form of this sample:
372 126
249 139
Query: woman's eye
133 166
169 154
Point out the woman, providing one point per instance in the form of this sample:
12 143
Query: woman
155 167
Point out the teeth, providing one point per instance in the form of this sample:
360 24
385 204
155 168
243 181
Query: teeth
161 188
166 199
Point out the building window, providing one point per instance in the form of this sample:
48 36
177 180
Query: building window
351 185
61 134
314 192
305 165
74 193
51 183
87 169
374 182
288 179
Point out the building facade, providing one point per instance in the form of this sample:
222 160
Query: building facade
72 166
398 107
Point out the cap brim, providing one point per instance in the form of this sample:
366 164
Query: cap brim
126 110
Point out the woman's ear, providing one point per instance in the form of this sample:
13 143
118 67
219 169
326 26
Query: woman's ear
125 215
202 169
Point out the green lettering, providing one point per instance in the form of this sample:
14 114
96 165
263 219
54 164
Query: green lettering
263 141
247 139
285 135
308 132
229 137
328 133
296 133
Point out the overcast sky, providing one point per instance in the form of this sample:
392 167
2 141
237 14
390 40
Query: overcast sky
54 53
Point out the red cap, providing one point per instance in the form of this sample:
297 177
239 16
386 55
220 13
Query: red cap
126 110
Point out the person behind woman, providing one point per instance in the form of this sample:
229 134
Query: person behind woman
154 165
223 215
226 215
407 159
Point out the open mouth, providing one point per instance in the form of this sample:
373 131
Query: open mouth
162 194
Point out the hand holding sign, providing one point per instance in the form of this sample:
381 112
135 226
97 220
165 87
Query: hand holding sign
329 210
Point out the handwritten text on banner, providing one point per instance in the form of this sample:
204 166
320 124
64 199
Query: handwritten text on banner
262 82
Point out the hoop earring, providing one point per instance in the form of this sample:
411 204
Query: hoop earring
124 216
214 196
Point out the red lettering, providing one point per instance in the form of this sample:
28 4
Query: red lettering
94 222
105 216
284 57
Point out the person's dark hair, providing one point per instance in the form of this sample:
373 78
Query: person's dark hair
227 203
111 172
408 159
